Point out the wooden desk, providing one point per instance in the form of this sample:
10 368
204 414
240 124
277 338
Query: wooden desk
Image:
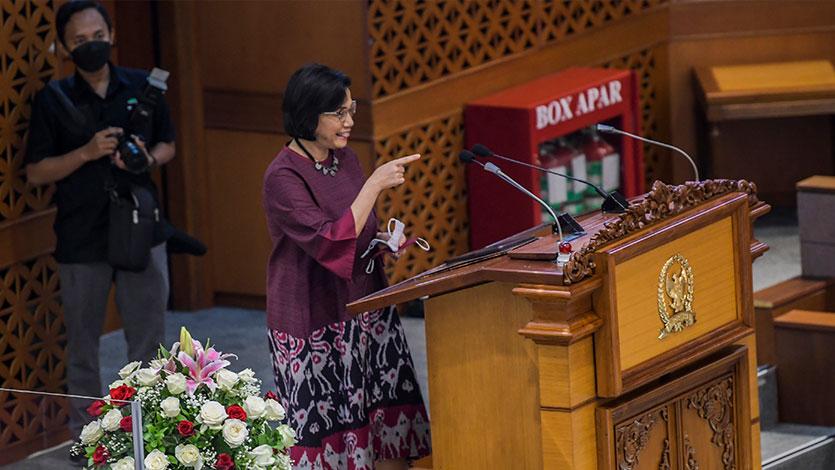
792 294
638 353
770 123
805 371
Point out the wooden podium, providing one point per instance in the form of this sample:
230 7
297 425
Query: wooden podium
638 353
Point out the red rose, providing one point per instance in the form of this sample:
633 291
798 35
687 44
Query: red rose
101 455
95 409
122 392
236 412
224 462
126 424
185 428
271 396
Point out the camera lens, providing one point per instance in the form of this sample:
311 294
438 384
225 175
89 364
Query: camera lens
132 155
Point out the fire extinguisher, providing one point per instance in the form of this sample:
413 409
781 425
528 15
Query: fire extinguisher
608 161
577 169
597 152
561 193
554 190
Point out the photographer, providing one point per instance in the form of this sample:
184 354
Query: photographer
82 158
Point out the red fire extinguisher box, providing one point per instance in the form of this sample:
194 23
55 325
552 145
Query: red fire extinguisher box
548 122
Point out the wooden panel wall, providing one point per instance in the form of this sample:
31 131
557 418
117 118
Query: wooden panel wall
229 76
416 64
31 325
32 335
429 59
710 32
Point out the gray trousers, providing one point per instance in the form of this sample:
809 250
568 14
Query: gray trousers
141 298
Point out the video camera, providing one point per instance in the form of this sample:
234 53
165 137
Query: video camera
142 110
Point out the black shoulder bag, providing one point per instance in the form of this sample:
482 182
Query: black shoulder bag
133 211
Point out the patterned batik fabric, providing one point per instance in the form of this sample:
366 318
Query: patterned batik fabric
351 394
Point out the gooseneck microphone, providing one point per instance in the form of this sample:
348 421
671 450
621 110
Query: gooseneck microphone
469 157
613 202
614 130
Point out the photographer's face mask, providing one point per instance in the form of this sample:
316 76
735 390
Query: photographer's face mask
91 56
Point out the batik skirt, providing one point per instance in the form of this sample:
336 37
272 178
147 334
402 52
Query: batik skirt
351 394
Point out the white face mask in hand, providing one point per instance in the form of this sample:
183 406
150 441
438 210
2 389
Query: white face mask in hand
395 231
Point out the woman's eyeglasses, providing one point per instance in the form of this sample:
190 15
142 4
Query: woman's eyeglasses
342 113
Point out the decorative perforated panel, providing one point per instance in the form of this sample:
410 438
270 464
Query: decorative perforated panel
31 351
644 64
433 201
25 65
31 324
562 19
417 42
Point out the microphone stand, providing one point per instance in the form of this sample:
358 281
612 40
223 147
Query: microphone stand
498 172
563 248
614 130
613 202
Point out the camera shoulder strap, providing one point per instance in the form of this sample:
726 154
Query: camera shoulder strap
76 116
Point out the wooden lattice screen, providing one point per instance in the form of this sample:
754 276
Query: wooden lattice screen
433 201
415 43
645 67
31 324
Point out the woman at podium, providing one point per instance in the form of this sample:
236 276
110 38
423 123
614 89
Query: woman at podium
347 382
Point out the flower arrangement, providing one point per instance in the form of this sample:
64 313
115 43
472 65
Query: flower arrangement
196 414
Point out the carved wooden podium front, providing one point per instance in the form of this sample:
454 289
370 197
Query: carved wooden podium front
638 353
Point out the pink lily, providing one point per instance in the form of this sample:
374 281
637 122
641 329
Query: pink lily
202 367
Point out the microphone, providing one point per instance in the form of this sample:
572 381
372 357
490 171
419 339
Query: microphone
614 130
613 202
469 157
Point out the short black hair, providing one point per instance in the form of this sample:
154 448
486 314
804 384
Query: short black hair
312 90
74 6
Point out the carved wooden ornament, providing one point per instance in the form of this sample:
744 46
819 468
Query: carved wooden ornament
662 202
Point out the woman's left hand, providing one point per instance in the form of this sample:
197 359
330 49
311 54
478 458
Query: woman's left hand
386 236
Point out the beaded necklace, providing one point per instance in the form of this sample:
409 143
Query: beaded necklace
326 170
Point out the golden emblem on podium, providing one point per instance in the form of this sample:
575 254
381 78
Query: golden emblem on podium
675 296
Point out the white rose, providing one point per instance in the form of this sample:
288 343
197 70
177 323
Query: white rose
212 414
247 375
235 432
91 433
147 377
275 412
110 421
117 384
170 407
288 435
255 407
263 455
156 460
126 463
284 462
188 455
126 371
226 379
158 364
176 383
